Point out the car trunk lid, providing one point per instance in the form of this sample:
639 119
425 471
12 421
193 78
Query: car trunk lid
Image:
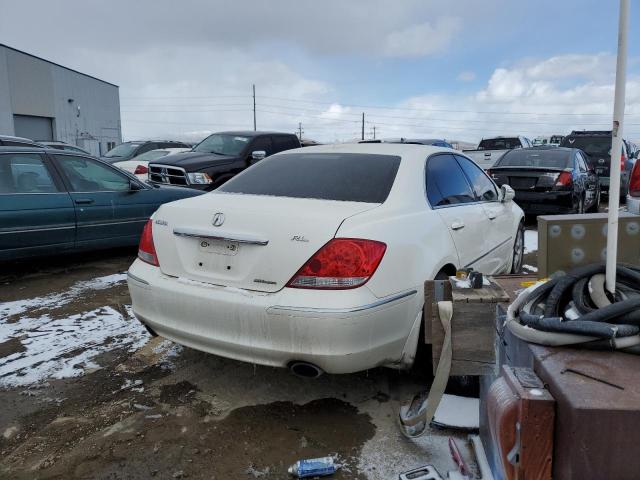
530 179
245 241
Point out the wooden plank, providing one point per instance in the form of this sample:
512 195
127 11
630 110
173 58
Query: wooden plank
473 330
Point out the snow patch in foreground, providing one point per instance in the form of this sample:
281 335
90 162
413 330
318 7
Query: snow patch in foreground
530 241
65 347
17 307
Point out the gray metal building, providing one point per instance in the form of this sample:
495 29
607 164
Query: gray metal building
42 100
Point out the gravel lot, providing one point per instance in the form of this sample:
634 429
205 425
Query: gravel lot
87 393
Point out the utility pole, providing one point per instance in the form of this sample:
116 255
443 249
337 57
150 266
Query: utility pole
362 126
300 130
254 108
616 147
374 132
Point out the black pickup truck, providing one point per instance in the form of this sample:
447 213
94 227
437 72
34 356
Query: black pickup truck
218 158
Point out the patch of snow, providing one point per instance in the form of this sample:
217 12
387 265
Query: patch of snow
65 347
530 241
531 268
17 307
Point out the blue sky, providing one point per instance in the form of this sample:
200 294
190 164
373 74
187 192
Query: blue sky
428 68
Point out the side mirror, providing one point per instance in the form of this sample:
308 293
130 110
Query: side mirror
507 194
258 155
134 186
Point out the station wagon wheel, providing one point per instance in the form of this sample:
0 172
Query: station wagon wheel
518 250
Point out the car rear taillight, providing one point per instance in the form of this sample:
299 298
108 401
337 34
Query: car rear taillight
565 179
623 161
147 250
634 181
342 263
141 170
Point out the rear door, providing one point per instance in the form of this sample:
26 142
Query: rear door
36 212
498 230
108 210
452 197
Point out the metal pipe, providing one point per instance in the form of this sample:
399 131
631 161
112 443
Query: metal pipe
616 147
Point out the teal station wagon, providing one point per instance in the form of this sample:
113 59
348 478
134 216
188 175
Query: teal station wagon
53 202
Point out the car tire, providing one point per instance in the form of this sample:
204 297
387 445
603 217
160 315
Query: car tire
518 250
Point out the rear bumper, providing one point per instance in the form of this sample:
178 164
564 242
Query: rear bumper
340 331
545 202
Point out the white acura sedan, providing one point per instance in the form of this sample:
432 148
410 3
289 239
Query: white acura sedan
315 258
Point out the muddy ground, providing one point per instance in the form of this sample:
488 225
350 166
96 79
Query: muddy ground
87 393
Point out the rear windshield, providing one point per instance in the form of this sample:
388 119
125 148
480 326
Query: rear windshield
536 158
499 144
349 177
594 146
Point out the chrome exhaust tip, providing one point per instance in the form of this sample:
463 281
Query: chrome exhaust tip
305 369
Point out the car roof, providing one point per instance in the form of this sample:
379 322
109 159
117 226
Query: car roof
399 149
4 148
19 139
252 133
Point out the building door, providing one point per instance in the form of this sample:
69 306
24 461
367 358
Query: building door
34 128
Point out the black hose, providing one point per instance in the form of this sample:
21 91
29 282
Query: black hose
541 309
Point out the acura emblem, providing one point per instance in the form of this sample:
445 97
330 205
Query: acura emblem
218 219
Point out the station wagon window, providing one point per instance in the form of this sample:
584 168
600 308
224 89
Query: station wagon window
86 175
484 188
25 173
349 177
446 184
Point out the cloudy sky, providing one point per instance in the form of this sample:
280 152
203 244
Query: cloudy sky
457 70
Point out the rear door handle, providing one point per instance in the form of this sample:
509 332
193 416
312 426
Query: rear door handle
84 201
457 225
492 215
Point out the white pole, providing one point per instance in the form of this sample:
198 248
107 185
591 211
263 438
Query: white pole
616 147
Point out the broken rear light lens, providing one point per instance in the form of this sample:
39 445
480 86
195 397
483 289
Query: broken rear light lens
141 169
340 264
146 249
634 181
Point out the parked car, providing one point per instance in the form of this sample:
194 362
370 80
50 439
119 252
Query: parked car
129 150
316 258
52 202
418 141
11 141
139 165
219 157
597 145
549 179
633 198
64 146
490 150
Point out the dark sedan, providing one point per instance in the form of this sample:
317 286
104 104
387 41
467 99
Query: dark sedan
549 180
53 202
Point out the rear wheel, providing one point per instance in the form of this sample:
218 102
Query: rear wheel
518 250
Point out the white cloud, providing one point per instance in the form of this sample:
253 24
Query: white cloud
422 39
466 76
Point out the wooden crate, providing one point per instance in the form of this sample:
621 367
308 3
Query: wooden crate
473 331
